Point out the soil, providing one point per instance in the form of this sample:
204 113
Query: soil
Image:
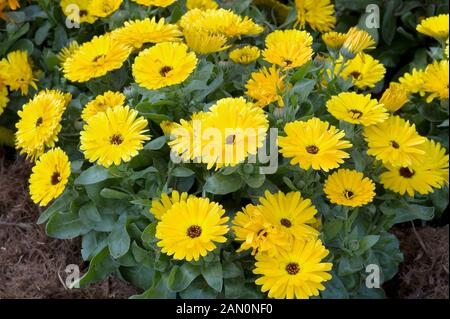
31 264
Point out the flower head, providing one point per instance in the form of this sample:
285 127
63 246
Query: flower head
67 51
266 86
4 100
414 82
82 6
205 42
436 27
364 71
394 97
357 41
318 14
18 72
101 103
161 206
334 40
104 8
245 55
155 3
436 80
201 4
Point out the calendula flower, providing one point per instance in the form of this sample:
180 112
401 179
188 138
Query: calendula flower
191 228
95 58
162 205
436 80
394 97
245 55
104 8
294 273
266 86
395 142
4 100
357 108
414 82
155 3
101 103
436 27
289 48
349 188
163 65
80 9
139 32
18 72
68 51
204 42
357 41
364 70
233 130
49 177
113 136
256 233
318 14
39 123
334 40
427 172
201 4
314 144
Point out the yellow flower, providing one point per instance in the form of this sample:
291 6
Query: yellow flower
436 80
161 206
136 33
201 4
6 137
39 123
19 74
334 40
80 8
319 14
49 177
95 58
256 233
164 64
395 142
191 228
413 82
156 3
364 70
314 144
104 8
68 51
205 42
245 55
357 41
101 103
114 136
288 48
4 100
436 27
295 273
428 172
167 126
394 97
349 188
233 130
266 86
357 108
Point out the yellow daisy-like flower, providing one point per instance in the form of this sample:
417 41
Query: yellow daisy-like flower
95 58
349 188
256 233
428 172
245 55
294 273
289 212
49 177
289 48
79 8
155 3
414 82
395 142
394 97
318 14
357 41
39 123
436 80
113 136
101 103
266 86
314 144
18 72
233 130
334 40
364 70
201 4
436 27
164 64
357 109
7 137
205 42
104 8
4 100
192 228
68 51
136 33
161 206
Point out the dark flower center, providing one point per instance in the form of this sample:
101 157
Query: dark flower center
395 144
98 57
194 231
56 178
355 74
165 70
406 172
287 62
356 114
348 194
286 222
292 268
116 139
83 13
39 121
230 139
312 149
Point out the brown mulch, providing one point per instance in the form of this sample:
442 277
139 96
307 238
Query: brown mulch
31 264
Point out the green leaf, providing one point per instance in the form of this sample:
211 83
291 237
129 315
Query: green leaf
199 289
156 144
222 184
94 174
389 24
62 203
403 212
231 270
113 194
119 240
100 267
42 33
181 277
332 228
212 273
148 235
89 214
158 290
366 243
65 226
182 171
